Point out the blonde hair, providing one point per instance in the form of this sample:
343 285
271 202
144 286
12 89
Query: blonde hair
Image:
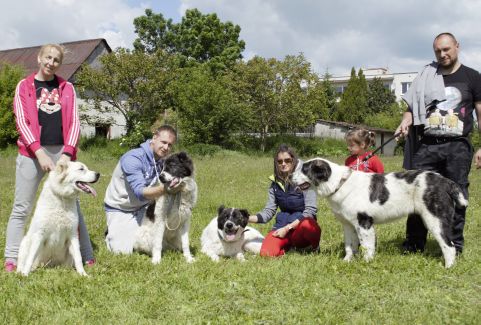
46 47
361 136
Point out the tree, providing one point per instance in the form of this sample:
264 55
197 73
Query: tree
281 95
353 106
207 109
133 84
10 75
379 98
331 95
199 37
389 118
154 33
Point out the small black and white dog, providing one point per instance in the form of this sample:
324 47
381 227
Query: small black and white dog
228 235
166 224
360 200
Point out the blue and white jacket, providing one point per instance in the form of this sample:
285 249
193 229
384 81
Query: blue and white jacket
136 170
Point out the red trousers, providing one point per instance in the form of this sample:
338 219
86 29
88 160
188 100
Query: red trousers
307 233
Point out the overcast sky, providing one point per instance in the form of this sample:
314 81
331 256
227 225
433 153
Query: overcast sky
333 35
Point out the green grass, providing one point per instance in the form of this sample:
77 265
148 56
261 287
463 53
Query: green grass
297 288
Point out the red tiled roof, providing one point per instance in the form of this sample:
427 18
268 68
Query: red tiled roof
76 53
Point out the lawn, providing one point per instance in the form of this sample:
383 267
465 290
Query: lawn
307 288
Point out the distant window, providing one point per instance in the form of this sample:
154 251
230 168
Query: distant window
405 86
339 89
387 85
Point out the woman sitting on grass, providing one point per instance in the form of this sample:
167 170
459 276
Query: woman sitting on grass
296 225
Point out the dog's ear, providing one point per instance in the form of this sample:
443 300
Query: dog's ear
319 171
220 209
245 217
182 155
187 162
61 169
244 213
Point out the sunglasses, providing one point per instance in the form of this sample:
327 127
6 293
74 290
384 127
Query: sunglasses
287 161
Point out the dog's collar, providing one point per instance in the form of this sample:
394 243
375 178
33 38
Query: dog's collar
341 182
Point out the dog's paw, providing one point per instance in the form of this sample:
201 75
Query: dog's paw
240 257
368 258
348 258
83 273
215 258
156 260
189 259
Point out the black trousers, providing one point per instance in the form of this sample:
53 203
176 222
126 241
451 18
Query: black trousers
452 159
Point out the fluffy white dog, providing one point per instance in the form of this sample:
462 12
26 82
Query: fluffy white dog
360 200
166 224
52 238
228 235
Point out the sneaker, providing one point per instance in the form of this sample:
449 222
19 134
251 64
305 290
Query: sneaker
90 262
10 266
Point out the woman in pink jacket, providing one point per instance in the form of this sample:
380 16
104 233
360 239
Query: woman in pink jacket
48 125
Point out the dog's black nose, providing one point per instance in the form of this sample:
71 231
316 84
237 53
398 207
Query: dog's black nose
229 225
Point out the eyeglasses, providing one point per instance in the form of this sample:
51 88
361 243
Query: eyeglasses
287 161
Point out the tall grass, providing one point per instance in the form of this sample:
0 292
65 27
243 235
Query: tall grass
297 288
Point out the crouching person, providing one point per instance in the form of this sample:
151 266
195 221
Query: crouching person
296 225
134 185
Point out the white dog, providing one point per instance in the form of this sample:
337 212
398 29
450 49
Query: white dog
167 227
228 235
53 234
360 200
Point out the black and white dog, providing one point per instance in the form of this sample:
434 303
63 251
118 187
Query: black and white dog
360 200
166 224
228 235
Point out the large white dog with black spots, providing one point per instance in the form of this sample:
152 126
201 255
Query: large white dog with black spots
360 200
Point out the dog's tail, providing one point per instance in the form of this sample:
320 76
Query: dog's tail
457 195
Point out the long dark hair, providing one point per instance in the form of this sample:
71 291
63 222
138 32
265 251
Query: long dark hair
292 153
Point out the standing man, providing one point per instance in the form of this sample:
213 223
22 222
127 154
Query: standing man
440 102
133 186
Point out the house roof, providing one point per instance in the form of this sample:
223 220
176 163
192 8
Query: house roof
76 53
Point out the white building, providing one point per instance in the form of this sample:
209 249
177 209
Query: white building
397 83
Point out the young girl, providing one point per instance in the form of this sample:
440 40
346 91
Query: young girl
358 142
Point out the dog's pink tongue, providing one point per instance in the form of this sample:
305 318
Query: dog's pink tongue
90 189
230 237
174 182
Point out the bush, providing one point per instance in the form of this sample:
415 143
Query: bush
101 149
10 75
202 149
87 143
139 133
304 147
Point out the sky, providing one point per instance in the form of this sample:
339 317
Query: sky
334 36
